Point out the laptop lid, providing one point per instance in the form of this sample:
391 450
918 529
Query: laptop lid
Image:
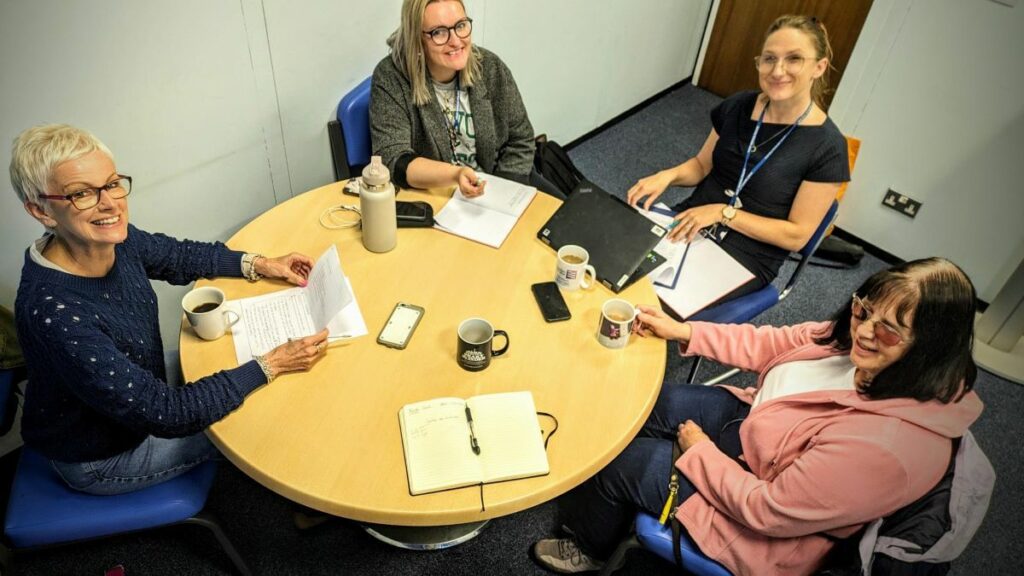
617 237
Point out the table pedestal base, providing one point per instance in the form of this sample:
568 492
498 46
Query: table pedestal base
425 537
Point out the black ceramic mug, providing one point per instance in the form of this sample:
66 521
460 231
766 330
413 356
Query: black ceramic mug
476 344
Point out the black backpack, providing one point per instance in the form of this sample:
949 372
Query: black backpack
551 161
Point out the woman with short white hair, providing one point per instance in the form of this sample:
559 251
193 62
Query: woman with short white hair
97 404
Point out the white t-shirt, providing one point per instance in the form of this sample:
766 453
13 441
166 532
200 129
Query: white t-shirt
465 149
832 373
35 252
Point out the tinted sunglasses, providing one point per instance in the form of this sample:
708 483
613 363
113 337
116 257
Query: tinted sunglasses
885 333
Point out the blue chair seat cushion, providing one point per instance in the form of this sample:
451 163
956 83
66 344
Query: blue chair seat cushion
742 309
658 539
43 510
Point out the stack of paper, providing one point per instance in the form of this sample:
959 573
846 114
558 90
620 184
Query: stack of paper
707 274
489 218
265 322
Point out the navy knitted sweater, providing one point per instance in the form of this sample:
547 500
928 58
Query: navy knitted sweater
96 379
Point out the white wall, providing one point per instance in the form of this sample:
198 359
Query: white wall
934 89
218 108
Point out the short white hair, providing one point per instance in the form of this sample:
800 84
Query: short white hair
40 149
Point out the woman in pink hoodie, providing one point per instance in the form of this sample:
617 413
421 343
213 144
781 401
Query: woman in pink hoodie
850 421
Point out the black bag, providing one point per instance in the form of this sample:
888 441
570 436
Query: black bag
551 161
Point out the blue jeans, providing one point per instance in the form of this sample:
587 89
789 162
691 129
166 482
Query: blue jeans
153 461
599 511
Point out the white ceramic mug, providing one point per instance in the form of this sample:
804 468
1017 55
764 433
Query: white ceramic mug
572 268
617 317
204 308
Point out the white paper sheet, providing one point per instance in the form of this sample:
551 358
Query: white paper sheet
327 301
489 218
708 273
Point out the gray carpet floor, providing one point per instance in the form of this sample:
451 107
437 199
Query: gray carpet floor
259 522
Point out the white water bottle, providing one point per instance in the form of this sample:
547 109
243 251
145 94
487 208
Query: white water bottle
377 204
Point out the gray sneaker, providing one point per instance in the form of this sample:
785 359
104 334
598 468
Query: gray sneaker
562 555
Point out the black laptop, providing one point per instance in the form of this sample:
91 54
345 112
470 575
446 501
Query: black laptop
619 239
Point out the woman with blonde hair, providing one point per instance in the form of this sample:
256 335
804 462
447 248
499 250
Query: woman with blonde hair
773 162
97 404
442 108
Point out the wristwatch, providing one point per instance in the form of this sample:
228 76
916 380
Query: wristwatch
728 213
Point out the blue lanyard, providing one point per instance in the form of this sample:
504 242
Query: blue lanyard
744 177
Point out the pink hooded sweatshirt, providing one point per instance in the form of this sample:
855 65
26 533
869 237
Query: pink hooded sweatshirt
822 462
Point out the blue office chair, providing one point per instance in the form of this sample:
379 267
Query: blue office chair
42 511
350 133
658 539
746 308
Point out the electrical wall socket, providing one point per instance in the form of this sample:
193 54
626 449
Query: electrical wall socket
900 203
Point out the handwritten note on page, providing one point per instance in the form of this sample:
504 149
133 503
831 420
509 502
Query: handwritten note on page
327 301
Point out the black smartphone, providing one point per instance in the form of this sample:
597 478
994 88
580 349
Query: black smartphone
550 300
414 211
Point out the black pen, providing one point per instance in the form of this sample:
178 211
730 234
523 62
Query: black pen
472 433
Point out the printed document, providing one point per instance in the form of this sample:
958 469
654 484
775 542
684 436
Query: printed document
708 273
327 301
489 218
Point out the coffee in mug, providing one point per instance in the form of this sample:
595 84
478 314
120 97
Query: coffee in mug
617 318
476 344
204 308
571 268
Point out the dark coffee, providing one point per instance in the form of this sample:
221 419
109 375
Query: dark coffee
205 307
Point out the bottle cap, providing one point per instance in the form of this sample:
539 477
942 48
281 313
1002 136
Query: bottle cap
376 173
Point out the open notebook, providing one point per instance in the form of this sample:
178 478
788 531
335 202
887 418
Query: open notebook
489 218
438 450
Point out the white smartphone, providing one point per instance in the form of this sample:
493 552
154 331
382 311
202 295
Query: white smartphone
400 325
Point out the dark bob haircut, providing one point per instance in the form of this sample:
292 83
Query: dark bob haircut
938 363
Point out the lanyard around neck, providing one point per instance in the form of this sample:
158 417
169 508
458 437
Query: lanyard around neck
744 177
458 104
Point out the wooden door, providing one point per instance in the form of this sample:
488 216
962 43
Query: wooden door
738 34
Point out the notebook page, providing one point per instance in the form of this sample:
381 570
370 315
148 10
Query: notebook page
435 437
509 435
475 222
501 195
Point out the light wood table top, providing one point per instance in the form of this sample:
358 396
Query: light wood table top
329 438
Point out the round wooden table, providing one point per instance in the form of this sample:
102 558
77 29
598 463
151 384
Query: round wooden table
329 438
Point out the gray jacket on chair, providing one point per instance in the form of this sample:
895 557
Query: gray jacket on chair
401 131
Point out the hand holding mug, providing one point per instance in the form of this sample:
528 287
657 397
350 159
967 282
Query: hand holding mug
652 321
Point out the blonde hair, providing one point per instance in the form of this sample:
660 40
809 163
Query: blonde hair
40 149
815 30
406 45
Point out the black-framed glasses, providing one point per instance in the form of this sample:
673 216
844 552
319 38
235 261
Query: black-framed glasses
792 64
86 198
440 35
885 333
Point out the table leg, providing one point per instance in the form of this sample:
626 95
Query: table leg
425 537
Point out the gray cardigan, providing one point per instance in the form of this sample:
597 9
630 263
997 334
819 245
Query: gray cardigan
402 131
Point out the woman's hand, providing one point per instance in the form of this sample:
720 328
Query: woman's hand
650 187
296 355
692 221
469 183
652 321
293 268
690 434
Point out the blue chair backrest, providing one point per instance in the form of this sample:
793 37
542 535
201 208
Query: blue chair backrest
354 116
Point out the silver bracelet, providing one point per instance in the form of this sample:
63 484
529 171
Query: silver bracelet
261 361
249 266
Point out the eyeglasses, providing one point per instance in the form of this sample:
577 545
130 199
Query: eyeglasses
86 198
886 333
792 64
440 35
